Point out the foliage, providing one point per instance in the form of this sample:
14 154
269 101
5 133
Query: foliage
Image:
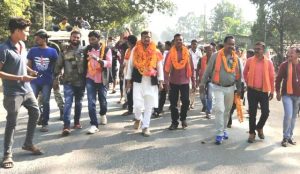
101 14
278 24
227 19
11 8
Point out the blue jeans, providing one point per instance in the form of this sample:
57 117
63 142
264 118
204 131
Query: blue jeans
206 99
92 90
70 92
291 106
46 92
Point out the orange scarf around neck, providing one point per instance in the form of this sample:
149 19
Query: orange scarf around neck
94 67
173 62
221 58
266 77
289 83
145 59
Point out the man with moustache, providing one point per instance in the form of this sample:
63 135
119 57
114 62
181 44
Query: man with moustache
98 60
225 73
71 61
42 59
180 71
145 71
259 77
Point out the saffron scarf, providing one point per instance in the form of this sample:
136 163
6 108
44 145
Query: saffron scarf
266 77
222 58
172 61
289 83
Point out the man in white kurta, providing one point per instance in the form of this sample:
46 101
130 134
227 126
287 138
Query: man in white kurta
145 86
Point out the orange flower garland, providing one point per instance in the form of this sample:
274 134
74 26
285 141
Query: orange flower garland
145 60
127 54
234 64
174 58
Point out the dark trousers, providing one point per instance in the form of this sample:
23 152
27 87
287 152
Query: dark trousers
161 101
130 100
12 105
255 97
184 97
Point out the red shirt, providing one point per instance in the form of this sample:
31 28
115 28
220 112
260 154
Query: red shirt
281 79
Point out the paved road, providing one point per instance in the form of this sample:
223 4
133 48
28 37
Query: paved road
117 148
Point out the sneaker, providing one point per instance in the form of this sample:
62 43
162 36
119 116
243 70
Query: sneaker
93 129
291 141
225 136
146 132
77 126
44 128
219 140
66 131
173 127
284 142
251 138
137 124
103 120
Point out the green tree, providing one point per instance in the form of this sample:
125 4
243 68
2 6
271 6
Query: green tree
9 8
227 19
278 24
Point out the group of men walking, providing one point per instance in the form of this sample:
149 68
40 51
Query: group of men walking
148 75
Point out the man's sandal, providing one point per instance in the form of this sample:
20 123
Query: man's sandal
7 163
33 149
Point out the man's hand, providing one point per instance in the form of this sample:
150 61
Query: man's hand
101 62
161 85
26 78
128 85
278 96
55 85
270 96
33 73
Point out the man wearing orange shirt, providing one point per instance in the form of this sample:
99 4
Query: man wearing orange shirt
259 77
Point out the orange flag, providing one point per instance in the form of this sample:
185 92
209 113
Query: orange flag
239 110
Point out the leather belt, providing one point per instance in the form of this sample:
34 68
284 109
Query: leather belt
223 85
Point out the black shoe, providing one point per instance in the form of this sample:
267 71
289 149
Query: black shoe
173 127
184 124
155 115
124 106
291 141
284 142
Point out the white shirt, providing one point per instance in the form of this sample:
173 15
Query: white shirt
195 56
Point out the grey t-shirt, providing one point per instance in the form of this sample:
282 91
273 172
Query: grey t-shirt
16 64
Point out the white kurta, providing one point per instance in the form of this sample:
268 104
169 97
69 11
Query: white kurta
145 95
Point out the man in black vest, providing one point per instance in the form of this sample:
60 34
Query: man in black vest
98 59
146 71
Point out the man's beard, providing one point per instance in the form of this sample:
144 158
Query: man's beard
75 43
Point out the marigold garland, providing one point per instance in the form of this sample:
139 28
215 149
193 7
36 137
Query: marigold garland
127 54
174 58
234 64
145 60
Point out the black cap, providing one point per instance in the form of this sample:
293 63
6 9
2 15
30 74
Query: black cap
42 34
